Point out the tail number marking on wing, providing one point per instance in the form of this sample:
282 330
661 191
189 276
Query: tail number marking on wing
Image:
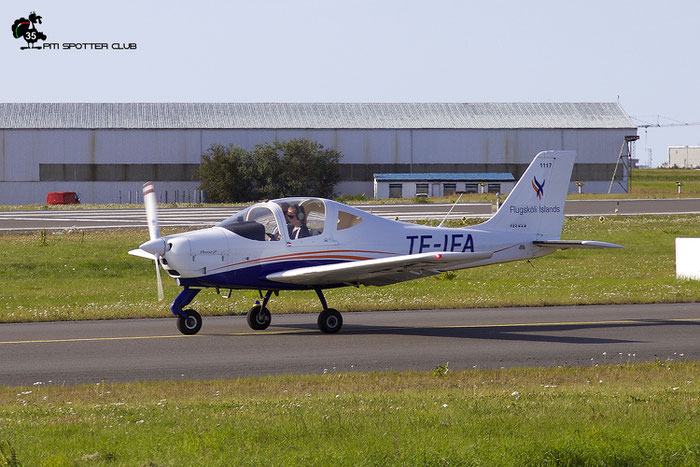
453 242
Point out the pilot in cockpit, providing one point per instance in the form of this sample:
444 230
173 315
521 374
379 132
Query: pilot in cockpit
297 220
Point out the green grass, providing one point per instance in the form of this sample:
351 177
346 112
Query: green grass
625 414
88 275
661 183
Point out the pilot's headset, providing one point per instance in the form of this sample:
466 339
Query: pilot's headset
301 215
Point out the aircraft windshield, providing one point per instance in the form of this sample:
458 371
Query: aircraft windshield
304 217
256 222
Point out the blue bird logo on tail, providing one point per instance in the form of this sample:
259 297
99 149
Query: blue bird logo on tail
538 187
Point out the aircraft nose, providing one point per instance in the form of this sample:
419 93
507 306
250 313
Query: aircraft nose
155 246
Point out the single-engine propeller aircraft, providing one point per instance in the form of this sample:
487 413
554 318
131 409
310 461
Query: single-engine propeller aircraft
306 243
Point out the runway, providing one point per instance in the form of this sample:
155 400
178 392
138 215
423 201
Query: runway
18 221
152 349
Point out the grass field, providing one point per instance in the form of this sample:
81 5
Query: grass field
615 412
662 182
612 414
88 275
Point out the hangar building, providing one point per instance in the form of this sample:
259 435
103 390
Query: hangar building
684 157
106 151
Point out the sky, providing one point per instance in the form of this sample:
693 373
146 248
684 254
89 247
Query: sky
642 54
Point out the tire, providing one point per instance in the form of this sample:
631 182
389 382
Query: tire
259 318
189 324
330 321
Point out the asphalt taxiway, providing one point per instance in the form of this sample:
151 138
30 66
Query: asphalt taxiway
152 349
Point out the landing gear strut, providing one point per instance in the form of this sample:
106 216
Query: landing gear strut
329 320
189 322
259 316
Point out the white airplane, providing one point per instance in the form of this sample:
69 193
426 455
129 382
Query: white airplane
306 243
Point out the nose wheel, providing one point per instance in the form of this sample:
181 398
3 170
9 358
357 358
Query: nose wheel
189 322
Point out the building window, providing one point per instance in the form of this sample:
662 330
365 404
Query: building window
395 190
449 189
494 187
422 189
471 188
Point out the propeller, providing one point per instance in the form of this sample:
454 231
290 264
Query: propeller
150 202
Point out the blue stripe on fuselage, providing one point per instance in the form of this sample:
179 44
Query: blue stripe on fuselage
253 277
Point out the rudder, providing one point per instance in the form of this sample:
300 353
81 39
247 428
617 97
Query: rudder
536 204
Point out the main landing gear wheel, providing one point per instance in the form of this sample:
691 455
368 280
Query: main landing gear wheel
259 318
330 321
189 324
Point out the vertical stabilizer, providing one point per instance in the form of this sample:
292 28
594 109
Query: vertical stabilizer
536 204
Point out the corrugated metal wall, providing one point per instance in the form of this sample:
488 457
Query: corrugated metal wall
27 154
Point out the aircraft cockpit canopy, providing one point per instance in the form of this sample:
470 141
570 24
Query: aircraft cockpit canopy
256 222
303 217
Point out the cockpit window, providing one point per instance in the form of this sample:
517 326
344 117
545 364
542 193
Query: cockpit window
256 223
347 220
305 217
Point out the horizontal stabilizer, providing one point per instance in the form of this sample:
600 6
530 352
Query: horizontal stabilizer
580 244
142 254
377 271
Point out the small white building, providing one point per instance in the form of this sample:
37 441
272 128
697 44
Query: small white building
684 157
408 185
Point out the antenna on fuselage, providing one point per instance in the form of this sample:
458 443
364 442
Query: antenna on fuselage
450 211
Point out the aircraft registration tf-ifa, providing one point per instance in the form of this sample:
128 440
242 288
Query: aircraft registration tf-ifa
306 243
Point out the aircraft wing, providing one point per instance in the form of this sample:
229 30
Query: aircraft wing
581 244
382 271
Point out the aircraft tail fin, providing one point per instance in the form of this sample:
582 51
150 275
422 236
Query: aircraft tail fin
536 204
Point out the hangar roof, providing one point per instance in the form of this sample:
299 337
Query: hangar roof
594 115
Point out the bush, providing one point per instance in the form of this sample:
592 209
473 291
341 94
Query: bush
227 174
296 168
272 170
